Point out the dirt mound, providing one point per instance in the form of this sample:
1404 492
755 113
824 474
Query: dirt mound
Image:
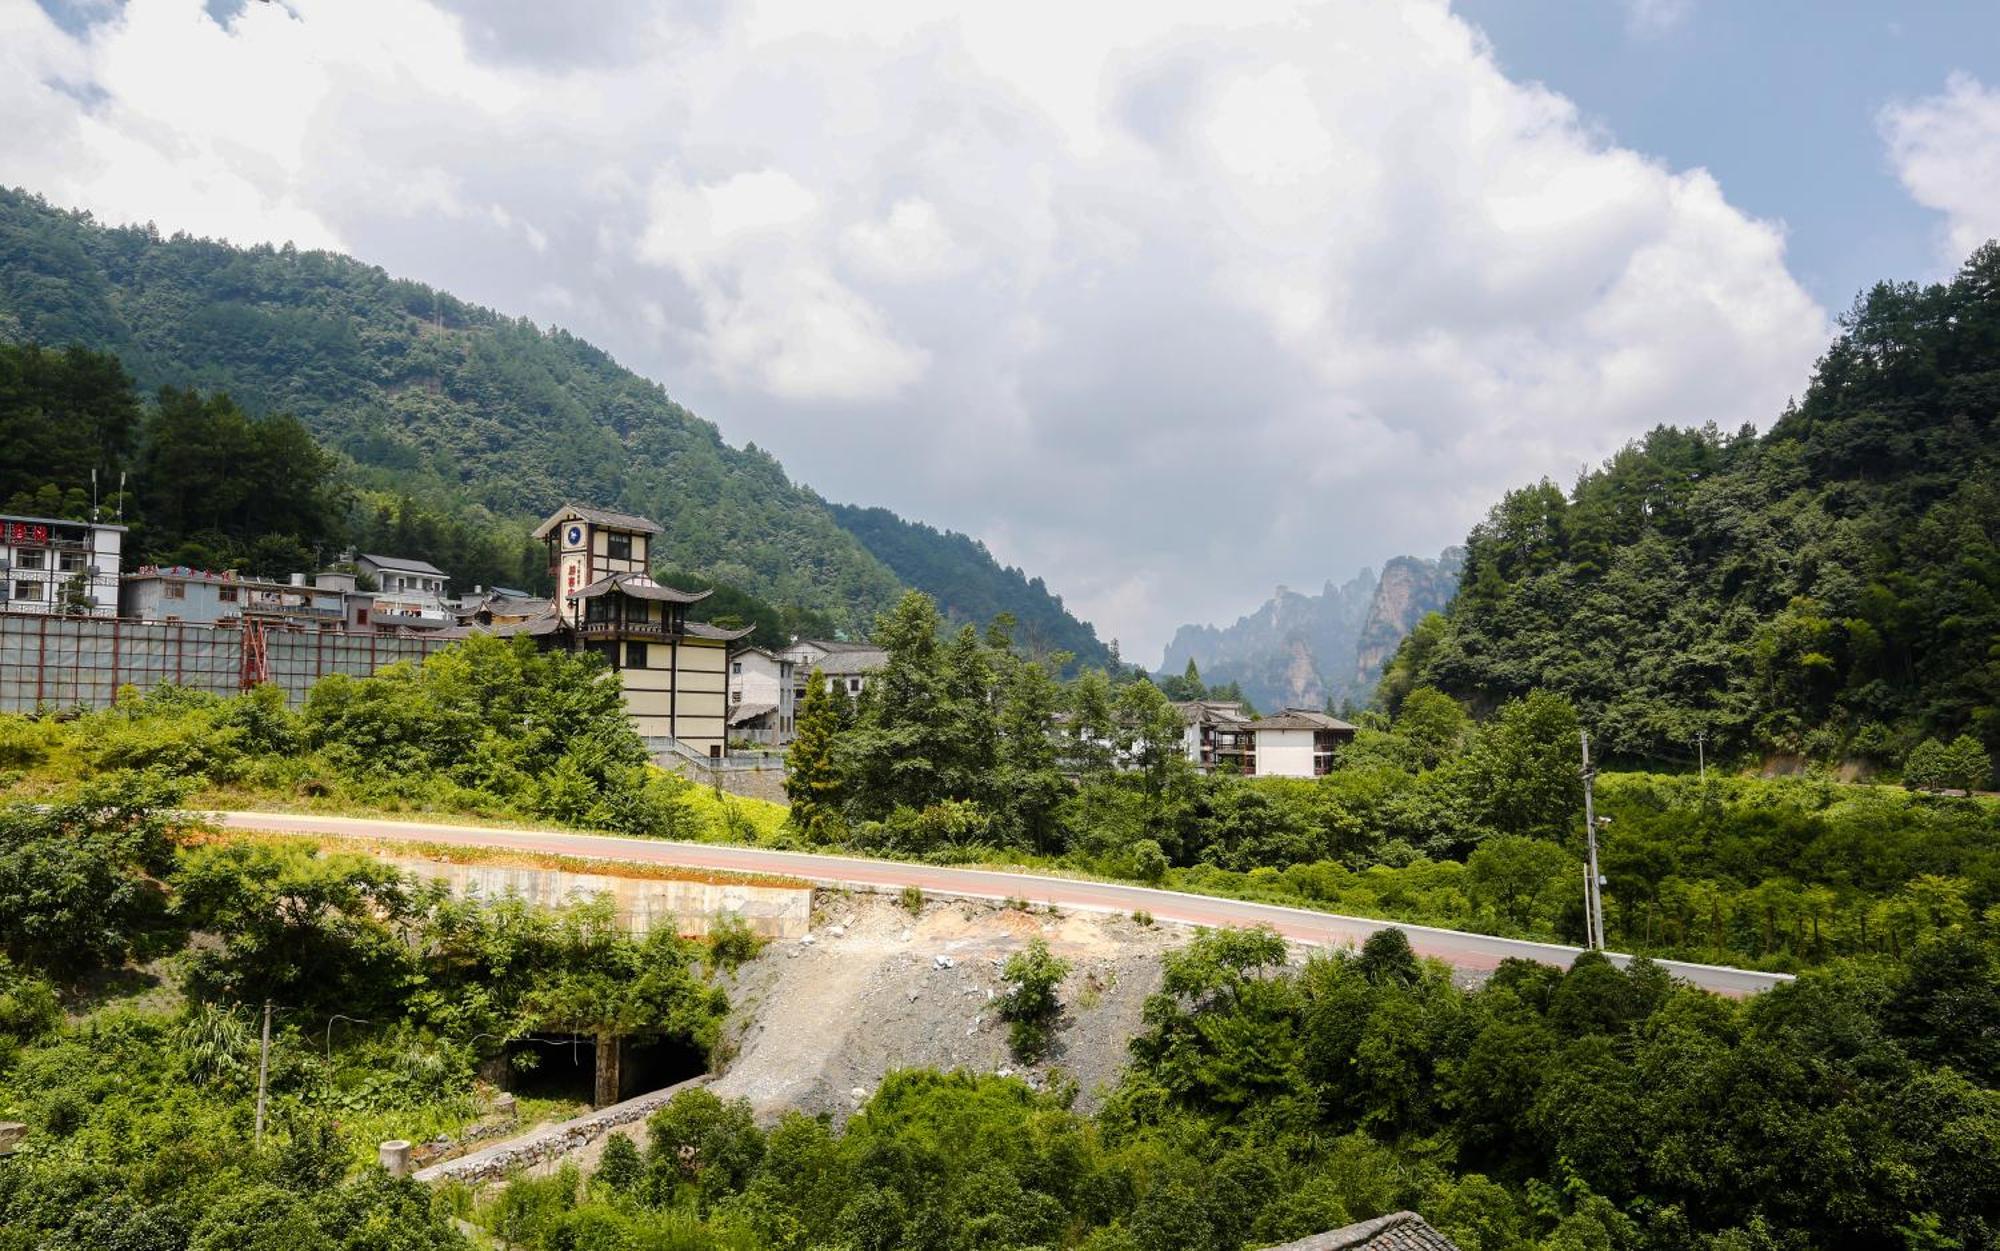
817 1022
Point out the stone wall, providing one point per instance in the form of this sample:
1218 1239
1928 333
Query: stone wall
553 1141
643 903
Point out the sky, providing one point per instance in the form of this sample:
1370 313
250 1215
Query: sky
1167 302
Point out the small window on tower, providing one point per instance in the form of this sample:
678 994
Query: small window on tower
618 546
635 655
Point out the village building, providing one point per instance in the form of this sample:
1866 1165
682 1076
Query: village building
176 593
410 594
762 696
847 667
69 568
674 671
1220 737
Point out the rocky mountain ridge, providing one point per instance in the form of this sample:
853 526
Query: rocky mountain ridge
1299 650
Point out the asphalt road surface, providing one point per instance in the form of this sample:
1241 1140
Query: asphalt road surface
1476 953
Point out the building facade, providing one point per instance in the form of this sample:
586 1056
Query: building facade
1220 737
674 671
847 667
69 568
198 597
762 696
410 594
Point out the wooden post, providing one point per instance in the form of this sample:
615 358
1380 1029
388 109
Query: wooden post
608 1075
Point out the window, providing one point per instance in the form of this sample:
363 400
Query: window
226 594
618 546
736 697
69 562
361 616
32 560
174 590
27 590
854 686
736 666
635 655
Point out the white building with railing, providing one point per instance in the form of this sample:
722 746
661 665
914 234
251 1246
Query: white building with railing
70 568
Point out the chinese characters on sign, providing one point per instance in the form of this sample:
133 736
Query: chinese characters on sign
27 532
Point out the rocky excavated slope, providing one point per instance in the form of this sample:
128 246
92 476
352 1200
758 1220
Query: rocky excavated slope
816 1023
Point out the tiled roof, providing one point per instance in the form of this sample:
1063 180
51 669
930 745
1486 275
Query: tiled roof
1299 719
639 586
739 713
1223 712
403 564
849 662
703 630
1398 1231
597 517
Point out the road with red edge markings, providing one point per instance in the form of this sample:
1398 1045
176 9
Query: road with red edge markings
1470 952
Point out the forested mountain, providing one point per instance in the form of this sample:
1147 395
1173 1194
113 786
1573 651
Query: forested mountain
1303 651
434 397
969 585
1830 588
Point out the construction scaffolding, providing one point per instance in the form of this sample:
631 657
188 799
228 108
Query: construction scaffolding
54 663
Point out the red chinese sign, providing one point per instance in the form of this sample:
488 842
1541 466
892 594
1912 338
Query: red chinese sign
27 532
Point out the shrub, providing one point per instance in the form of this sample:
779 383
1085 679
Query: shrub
1149 863
912 900
1031 1005
732 943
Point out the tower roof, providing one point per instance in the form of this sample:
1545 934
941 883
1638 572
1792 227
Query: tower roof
597 517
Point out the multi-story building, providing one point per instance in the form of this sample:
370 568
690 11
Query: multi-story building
199 597
409 594
847 667
761 696
49 565
1296 743
674 671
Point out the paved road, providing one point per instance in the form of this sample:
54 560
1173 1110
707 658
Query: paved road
1472 952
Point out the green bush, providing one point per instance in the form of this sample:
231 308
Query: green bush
1030 1005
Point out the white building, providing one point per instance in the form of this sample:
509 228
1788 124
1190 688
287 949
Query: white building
762 696
409 593
847 666
55 566
1295 743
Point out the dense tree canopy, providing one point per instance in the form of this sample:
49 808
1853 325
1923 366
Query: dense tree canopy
1830 588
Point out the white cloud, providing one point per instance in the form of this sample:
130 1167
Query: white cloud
1169 302
1657 17
1946 150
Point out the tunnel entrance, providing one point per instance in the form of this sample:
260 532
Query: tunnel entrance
651 1064
567 1067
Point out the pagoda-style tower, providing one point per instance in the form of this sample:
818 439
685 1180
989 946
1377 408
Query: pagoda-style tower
674 671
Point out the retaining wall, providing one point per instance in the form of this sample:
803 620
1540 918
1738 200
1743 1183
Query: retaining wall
643 904
515 1154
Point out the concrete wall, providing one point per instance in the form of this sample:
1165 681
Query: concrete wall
643 904
1284 753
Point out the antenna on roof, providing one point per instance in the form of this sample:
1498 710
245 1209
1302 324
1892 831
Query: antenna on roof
121 495
93 495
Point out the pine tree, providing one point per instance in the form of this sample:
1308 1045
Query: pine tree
1030 773
812 771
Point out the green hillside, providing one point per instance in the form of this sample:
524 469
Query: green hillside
433 397
969 585
1830 588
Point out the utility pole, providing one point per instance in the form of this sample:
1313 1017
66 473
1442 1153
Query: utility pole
263 1073
1593 896
1701 753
